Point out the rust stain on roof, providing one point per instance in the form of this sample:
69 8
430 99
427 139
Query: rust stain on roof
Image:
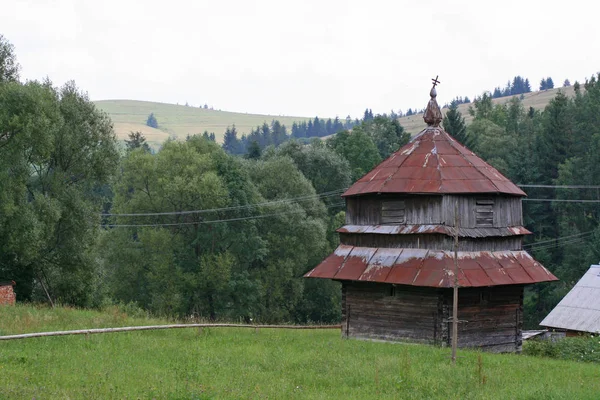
431 268
434 163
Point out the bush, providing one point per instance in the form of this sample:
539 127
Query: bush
583 348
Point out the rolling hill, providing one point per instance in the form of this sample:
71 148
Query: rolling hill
179 121
538 100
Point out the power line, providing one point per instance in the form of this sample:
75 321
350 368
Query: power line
268 203
211 222
564 200
561 186
551 245
558 239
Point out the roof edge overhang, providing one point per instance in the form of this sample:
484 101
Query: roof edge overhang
431 268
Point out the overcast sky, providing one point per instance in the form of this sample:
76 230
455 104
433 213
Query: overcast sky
300 58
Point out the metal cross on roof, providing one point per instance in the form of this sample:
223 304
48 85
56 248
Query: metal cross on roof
435 81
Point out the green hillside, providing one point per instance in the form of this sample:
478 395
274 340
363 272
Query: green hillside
234 363
179 121
131 115
538 100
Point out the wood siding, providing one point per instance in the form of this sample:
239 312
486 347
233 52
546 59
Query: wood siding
431 241
498 211
367 210
384 312
506 211
492 318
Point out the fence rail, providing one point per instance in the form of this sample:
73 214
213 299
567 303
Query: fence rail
156 327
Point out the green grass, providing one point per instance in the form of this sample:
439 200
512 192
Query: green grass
275 364
131 115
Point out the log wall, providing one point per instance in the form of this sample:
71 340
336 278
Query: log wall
492 317
383 312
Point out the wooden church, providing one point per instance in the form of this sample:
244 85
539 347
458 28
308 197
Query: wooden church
396 259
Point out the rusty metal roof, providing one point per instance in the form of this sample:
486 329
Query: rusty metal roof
579 310
431 268
433 162
442 229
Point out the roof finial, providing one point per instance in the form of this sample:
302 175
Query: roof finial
433 115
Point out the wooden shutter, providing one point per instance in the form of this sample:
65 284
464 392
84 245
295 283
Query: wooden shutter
393 212
484 212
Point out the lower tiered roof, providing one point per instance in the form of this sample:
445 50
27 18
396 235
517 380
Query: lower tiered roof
431 268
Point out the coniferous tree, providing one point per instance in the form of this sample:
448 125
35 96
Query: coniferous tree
151 121
254 151
231 143
137 140
454 124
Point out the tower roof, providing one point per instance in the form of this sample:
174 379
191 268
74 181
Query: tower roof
433 163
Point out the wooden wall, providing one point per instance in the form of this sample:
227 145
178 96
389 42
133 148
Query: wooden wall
436 209
373 311
493 316
431 241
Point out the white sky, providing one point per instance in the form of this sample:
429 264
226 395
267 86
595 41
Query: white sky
301 58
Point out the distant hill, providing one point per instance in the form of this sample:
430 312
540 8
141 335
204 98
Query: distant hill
131 115
179 121
538 100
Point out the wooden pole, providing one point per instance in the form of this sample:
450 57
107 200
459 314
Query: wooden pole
154 327
455 288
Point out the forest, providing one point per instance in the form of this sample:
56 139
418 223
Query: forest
226 233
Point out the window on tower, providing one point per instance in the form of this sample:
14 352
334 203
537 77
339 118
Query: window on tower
393 212
484 212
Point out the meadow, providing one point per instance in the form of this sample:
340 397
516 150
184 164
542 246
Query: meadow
258 364
179 121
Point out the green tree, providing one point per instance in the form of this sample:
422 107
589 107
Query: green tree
454 124
358 148
151 121
9 67
254 150
56 152
137 140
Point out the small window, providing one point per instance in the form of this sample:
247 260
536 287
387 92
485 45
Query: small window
484 212
393 212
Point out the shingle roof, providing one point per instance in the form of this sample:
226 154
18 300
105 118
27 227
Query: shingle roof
579 310
434 162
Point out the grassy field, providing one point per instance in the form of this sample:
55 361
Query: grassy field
131 115
266 364
538 100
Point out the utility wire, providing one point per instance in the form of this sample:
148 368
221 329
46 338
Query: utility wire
559 238
268 203
564 200
561 186
211 222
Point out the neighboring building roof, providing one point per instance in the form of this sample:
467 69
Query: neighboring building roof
442 229
431 268
434 163
579 310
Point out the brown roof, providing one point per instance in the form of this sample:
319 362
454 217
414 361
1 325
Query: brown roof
433 162
431 268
